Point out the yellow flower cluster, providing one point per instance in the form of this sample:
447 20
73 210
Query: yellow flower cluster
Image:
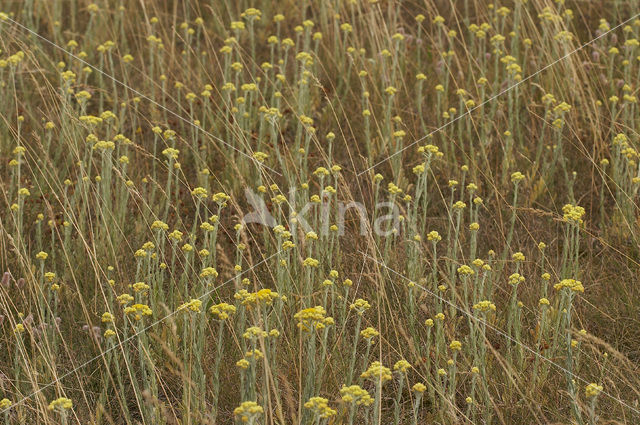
402 366
253 333
484 306
320 406
310 262
194 305
573 214
5 403
313 317
360 306
124 299
222 311
159 225
61 404
248 410
137 311
369 333
572 284
434 236
517 177
465 270
262 297
377 373
419 388
592 390
516 278
518 256
356 394
209 272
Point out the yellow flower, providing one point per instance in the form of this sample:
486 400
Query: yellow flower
160 225
434 236
592 390
42 255
137 311
465 270
61 404
209 272
573 214
199 192
320 407
419 388
222 311
242 363
355 394
260 156
517 177
194 305
516 278
5 403
484 306
402 366
377 373
346 27
518 256
459 205
124 299
248 411
369 333
310 262
254 332
310 318
360 306
572 284
455 345
140 287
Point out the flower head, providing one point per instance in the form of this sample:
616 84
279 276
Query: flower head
571 284
402 366
355 394
222 311
138 311
592 390
194 305
248 411
61 404
377 373
320 407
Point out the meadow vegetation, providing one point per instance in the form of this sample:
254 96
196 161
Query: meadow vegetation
442 199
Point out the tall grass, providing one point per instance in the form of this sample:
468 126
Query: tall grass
447 224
